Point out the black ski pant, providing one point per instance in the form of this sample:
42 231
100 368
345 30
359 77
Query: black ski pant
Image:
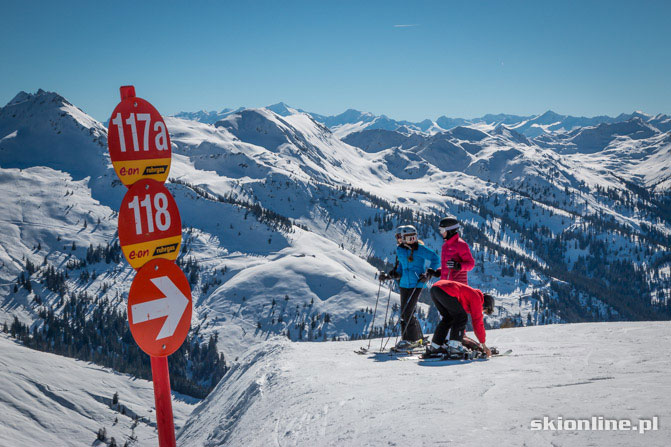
410 327
454 316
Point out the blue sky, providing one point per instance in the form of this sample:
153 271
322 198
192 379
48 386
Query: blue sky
458 58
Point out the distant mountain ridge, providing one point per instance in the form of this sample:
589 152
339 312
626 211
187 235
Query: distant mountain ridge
207 117
353 120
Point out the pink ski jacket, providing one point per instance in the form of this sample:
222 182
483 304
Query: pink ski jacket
456 249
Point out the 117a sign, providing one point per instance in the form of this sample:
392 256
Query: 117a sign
138 140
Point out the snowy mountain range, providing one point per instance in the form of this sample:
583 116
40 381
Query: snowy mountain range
289 215
353 120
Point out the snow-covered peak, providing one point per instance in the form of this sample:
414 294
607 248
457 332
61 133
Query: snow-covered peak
510 134
20 97
77 142
375 140
25 106
549 117
261 127
448 123
41 95
661 122
466 133
595 139
501 118
639 113
282 109
347 118
207 117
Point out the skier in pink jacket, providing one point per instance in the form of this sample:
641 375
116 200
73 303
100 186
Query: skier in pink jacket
456 258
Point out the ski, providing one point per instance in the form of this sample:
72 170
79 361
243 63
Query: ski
473 355
392 351
417 349
476 355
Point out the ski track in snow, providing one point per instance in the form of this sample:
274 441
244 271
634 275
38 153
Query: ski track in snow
322 394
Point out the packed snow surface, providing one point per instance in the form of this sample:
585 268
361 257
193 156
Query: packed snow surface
323 394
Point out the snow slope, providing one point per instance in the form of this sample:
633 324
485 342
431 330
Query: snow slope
47 399
322 394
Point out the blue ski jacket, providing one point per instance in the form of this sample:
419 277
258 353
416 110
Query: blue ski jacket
422 258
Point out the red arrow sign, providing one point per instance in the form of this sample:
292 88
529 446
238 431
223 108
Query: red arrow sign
159 308
138 140
150 226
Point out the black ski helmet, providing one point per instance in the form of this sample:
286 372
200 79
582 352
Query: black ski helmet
449 226
488 304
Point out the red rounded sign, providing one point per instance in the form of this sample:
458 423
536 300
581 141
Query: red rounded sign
150 226
138 140
159 308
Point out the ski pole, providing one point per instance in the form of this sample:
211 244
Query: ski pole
370 331
384 327
393 329
403 312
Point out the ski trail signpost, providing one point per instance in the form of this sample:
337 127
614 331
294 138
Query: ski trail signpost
159 308
150 226
138 140
150 235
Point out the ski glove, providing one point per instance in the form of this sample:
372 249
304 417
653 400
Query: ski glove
454 265
391 275
432 273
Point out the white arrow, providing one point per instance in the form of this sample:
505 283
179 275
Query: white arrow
173 306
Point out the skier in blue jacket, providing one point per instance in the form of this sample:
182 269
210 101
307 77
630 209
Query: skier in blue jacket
412 260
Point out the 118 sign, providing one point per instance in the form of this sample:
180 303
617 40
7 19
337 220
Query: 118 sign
149 224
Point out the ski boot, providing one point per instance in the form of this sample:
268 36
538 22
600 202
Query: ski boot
408 346
456 351
434 350
405 347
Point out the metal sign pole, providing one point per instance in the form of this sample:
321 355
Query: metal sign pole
139 146
163 401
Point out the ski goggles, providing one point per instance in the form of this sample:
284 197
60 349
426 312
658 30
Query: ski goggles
408 238
444 230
